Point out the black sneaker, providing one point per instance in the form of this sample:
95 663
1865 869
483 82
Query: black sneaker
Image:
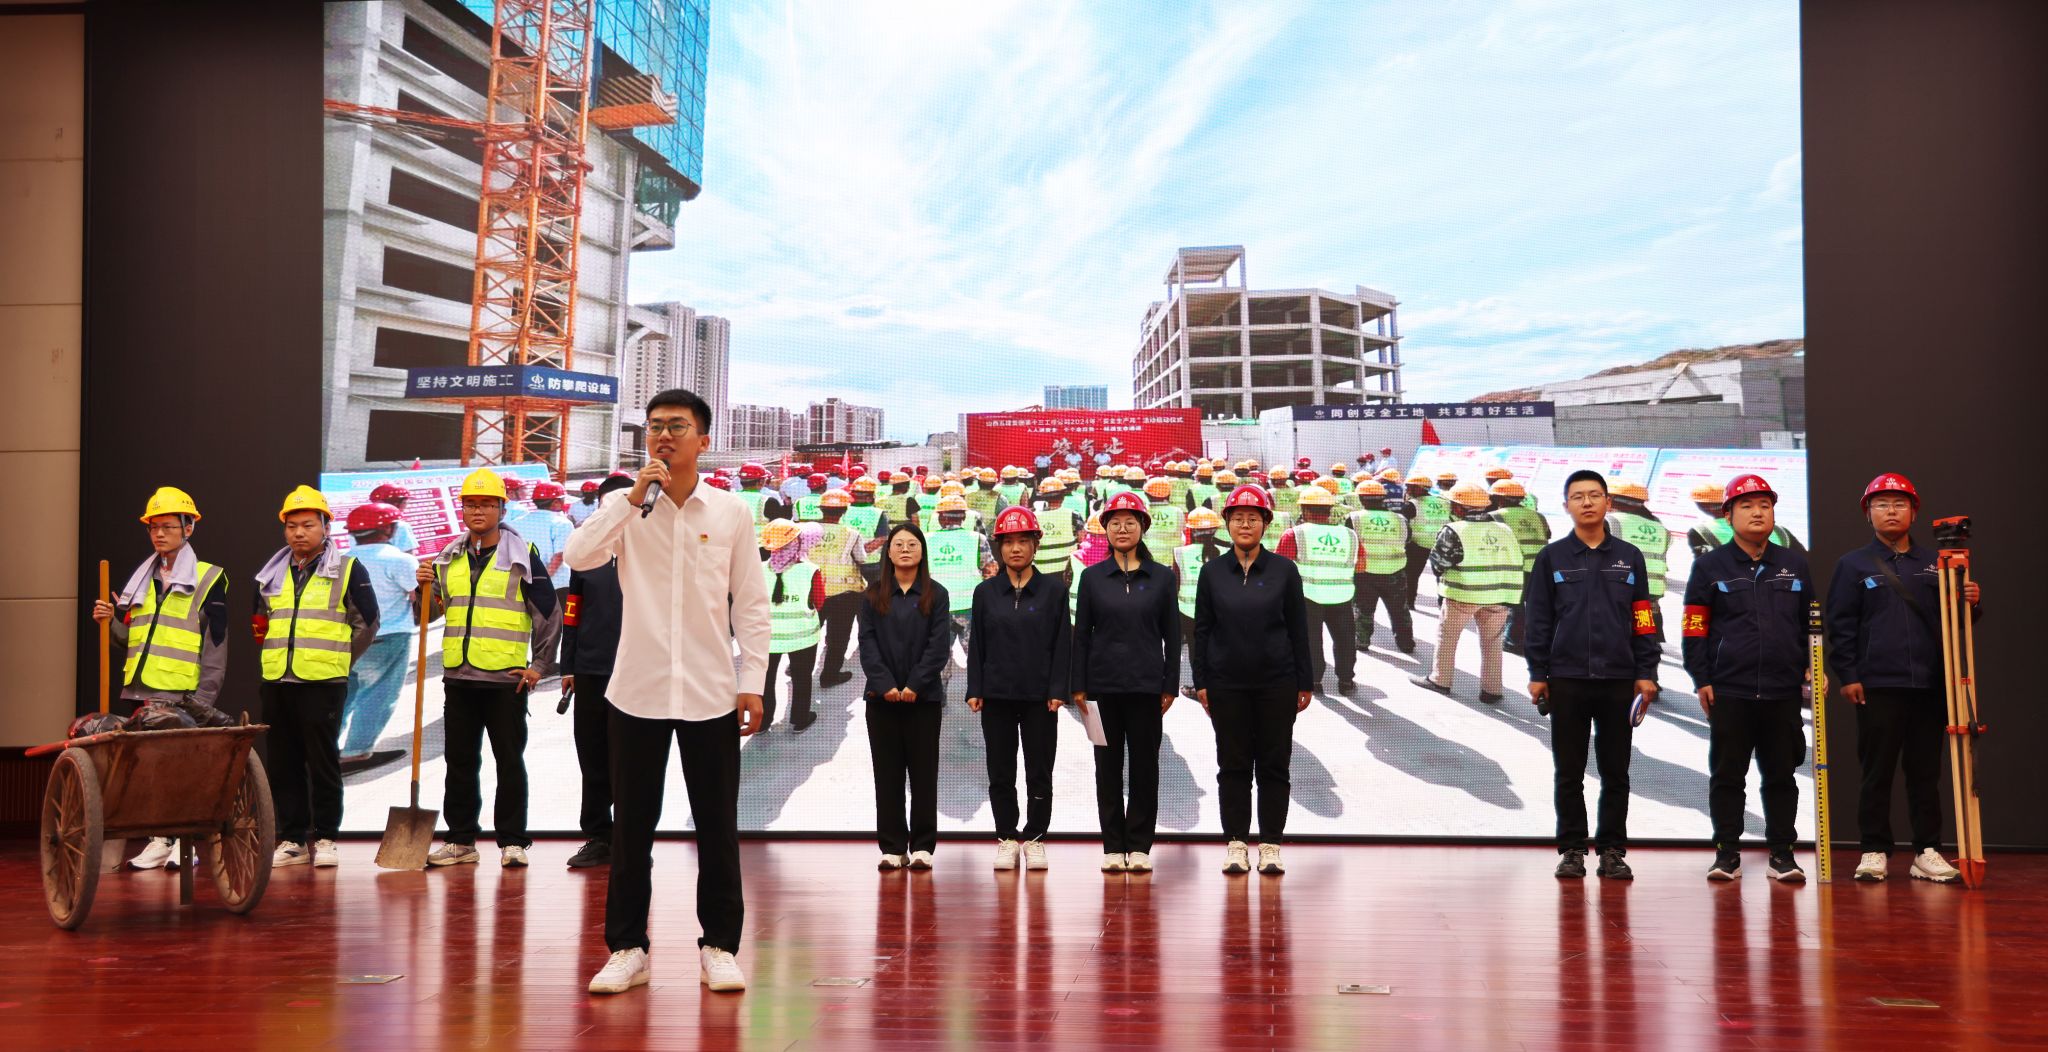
833 679
593 853
1427 683
1613 867
802 720
1571 863
1408 647
1785 869
1345 686
1490 699
1727 866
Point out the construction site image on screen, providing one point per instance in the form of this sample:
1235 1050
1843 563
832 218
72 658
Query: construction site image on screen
511 274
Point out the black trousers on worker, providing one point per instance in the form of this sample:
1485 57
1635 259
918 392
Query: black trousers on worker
710 751
1392 589
903 742
1254 740
1595 712
1770 731
474 709
1517 633
1900 727
801 664
305 757
1418 561
1007 723
593 754
1133 724
1341 621
839 612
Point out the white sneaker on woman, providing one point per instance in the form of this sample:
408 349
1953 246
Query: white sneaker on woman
1034 855
1138 862
289 853
1873 867
325 855
920 860
1237 858
719 971
1006 854
625 970
890 862
1269 860
1113 862
1929 865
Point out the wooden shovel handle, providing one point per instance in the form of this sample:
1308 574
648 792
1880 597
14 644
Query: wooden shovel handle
419 694
106 644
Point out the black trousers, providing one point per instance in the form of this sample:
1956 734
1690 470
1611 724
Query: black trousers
710 751
801 664
1578 709
1894 728
1517 632
474 710
1254 740
593 754
1418 561
903 742
1389 588
1770 731
1006 724
305 757
839 612
1341 621
1131 723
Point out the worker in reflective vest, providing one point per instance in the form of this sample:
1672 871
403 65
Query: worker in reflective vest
1383 545
1716 531
1188 560
840 552
984 501
896 504
1014 489
807 505
1202 493
959 559
499 641
1632 521
171 618
868 519
315 614
1428 514
1059 530
1328 556
1532 532
796 592
1180 484
750 492
1165 533
1479 564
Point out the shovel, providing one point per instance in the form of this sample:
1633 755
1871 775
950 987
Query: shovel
409 831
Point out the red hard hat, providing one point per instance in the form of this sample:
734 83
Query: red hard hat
1746 486
549 490
1016 520
590 485
923 470
1302 462
373 516
858 470
514 485
1249 496
1890 482
885 475
816 481
718 482
1131 502
388 492
752 471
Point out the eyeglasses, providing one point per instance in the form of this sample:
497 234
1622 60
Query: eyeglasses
1890 505
153 527
678 428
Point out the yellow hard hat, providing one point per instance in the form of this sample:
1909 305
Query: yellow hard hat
1329 484
1205 468
1447 473
1338 468
169 500
1420 480
1134 473
1252 462
1707 493
1225 478
1159 488
1203 519
864 484
483 482
1391 475
305 498
952 502
1632 490
777 534
1242 465
933 482
1317 497
986 474
1010 471
1495 472
1052 484
1507 488
1471 495
1279 474
952 489
1095 523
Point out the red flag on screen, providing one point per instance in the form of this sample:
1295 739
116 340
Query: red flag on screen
1429 435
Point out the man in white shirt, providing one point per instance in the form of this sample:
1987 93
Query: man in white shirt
687 569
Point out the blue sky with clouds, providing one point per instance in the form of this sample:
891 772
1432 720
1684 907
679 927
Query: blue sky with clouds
940 207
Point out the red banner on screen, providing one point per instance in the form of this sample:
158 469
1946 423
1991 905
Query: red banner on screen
1083 437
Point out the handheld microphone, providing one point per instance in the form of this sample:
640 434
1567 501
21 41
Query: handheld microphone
647 503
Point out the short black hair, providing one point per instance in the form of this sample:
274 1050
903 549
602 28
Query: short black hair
614 483
687 399
1585 475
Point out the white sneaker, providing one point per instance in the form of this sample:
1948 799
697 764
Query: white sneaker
1873 867
719 971
1269 859
289 853
1114 862
1034 855
625 970
1237 858
1929 865
892 862
450 854
920 860
154 855
1138 862
324 854
512 857
1006 854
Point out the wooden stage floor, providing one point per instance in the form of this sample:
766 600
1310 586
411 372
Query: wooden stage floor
1481 947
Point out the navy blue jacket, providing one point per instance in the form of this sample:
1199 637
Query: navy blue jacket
590 621
1588 612
906 648
1745 623
1018 639
1251 626
1127 630
1874 637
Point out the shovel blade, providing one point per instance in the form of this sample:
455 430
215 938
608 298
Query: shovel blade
408 835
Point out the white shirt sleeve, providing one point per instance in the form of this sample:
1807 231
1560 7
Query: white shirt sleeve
750 616
597 540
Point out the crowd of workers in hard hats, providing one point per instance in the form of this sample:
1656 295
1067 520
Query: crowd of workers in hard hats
1050 589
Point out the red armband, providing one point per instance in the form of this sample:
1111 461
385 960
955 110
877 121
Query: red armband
570 607
259 625
1645 618
1695 622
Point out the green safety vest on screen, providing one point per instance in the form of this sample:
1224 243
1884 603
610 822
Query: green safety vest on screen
1177 491
792 624
1649 535
171 631
1531 532
1188 559
1384 536
308 630
489 616
1055 540
1013 492
1164 535
1327 556
956 563
1432 514
1286 500
1724 534
1074 568
1205 495
753 499
1279 524
983 503
864 518
807 509
1491 572
895 505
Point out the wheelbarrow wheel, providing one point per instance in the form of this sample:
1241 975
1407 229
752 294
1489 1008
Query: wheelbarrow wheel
239 855
72 831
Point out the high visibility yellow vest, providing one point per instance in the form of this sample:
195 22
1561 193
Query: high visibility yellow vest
1188 559
1206 496
863 518
895 505
1384 536
308 631
956 563
1287 500
840 575
1491 572
982 503
1432 514
807 509
1177 491
753 499
1164 535
1278 526
1013 492
1649 535
1055 540
1531 532
1327 556
164 636
792 624
488 625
